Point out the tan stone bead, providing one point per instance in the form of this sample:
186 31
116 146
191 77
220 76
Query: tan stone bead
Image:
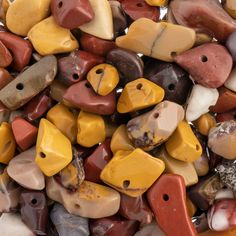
231 4
4 5
202 38
230 11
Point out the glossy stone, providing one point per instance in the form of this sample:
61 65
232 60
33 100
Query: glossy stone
120 174
230 115
129 64
68 224
82 96
29 83
135 209
153 128
96 46
222 138
20 49
157 2
168 193
53 149
57 90
5 78
113 226
199 101
25 134
140 9
172 78
49 38
21 16
150 38
203 193
5 56
204 16
230 45
34 211
71 14
204 64
102 17
74 68
90 200
202 38
230 83
4 7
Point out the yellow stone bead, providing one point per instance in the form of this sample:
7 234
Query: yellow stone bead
103 78
202 38
7 144
204 123
22 15
139 94
64 120
173 166
4 5
120 140
49 38
158 40
91 129
191 207
157 3
132 172
183 145
53 149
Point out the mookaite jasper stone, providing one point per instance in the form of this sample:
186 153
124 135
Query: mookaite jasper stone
4 5
157 40
71 14
4 113
157 2
74 68
22 16
152 128
34 211
150 229
172 78
209 64
167 198
230 115
5 56
5 78
68 224
113 226
29 83
90 200
32 177
222 138
204 16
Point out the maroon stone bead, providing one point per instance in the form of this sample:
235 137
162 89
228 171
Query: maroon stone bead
74 68
72 14
230 115
21 49
96 45
94 164
5 56
5 78
135 208
113 226
81 95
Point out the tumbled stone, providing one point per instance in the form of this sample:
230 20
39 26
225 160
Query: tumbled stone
204 64
150 229
90 200
224 193
231 46
202 38
29 83
57 90
5 56
16 114
32 177
204 16
4 5
150 38
5 78
225 116
230 83
4 113
200 223
68 224
160 3
153 128
199 101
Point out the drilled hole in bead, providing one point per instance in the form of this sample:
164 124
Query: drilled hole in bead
87 85
126 183
77 205
20 86
173 54
34 201
75 76
140 4
139 86
204 58
171 87
156 115
42 155
165 197
197 147
99 71
60 4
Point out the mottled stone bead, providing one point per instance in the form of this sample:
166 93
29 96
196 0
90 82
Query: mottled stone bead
150 229
5 78
225 116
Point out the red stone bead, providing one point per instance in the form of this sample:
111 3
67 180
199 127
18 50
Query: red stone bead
5 56
221 117
5 78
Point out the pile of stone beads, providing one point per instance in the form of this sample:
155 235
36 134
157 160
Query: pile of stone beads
118 117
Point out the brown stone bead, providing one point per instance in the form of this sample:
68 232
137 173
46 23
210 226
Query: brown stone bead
38 106
230 115
74 67
21 49
71 14
5 78
204 64
136 9
57 90
225 102
5 56
167 198
135 208
82 96
129 64
204 16
96 45
34 211
113 226
94 164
